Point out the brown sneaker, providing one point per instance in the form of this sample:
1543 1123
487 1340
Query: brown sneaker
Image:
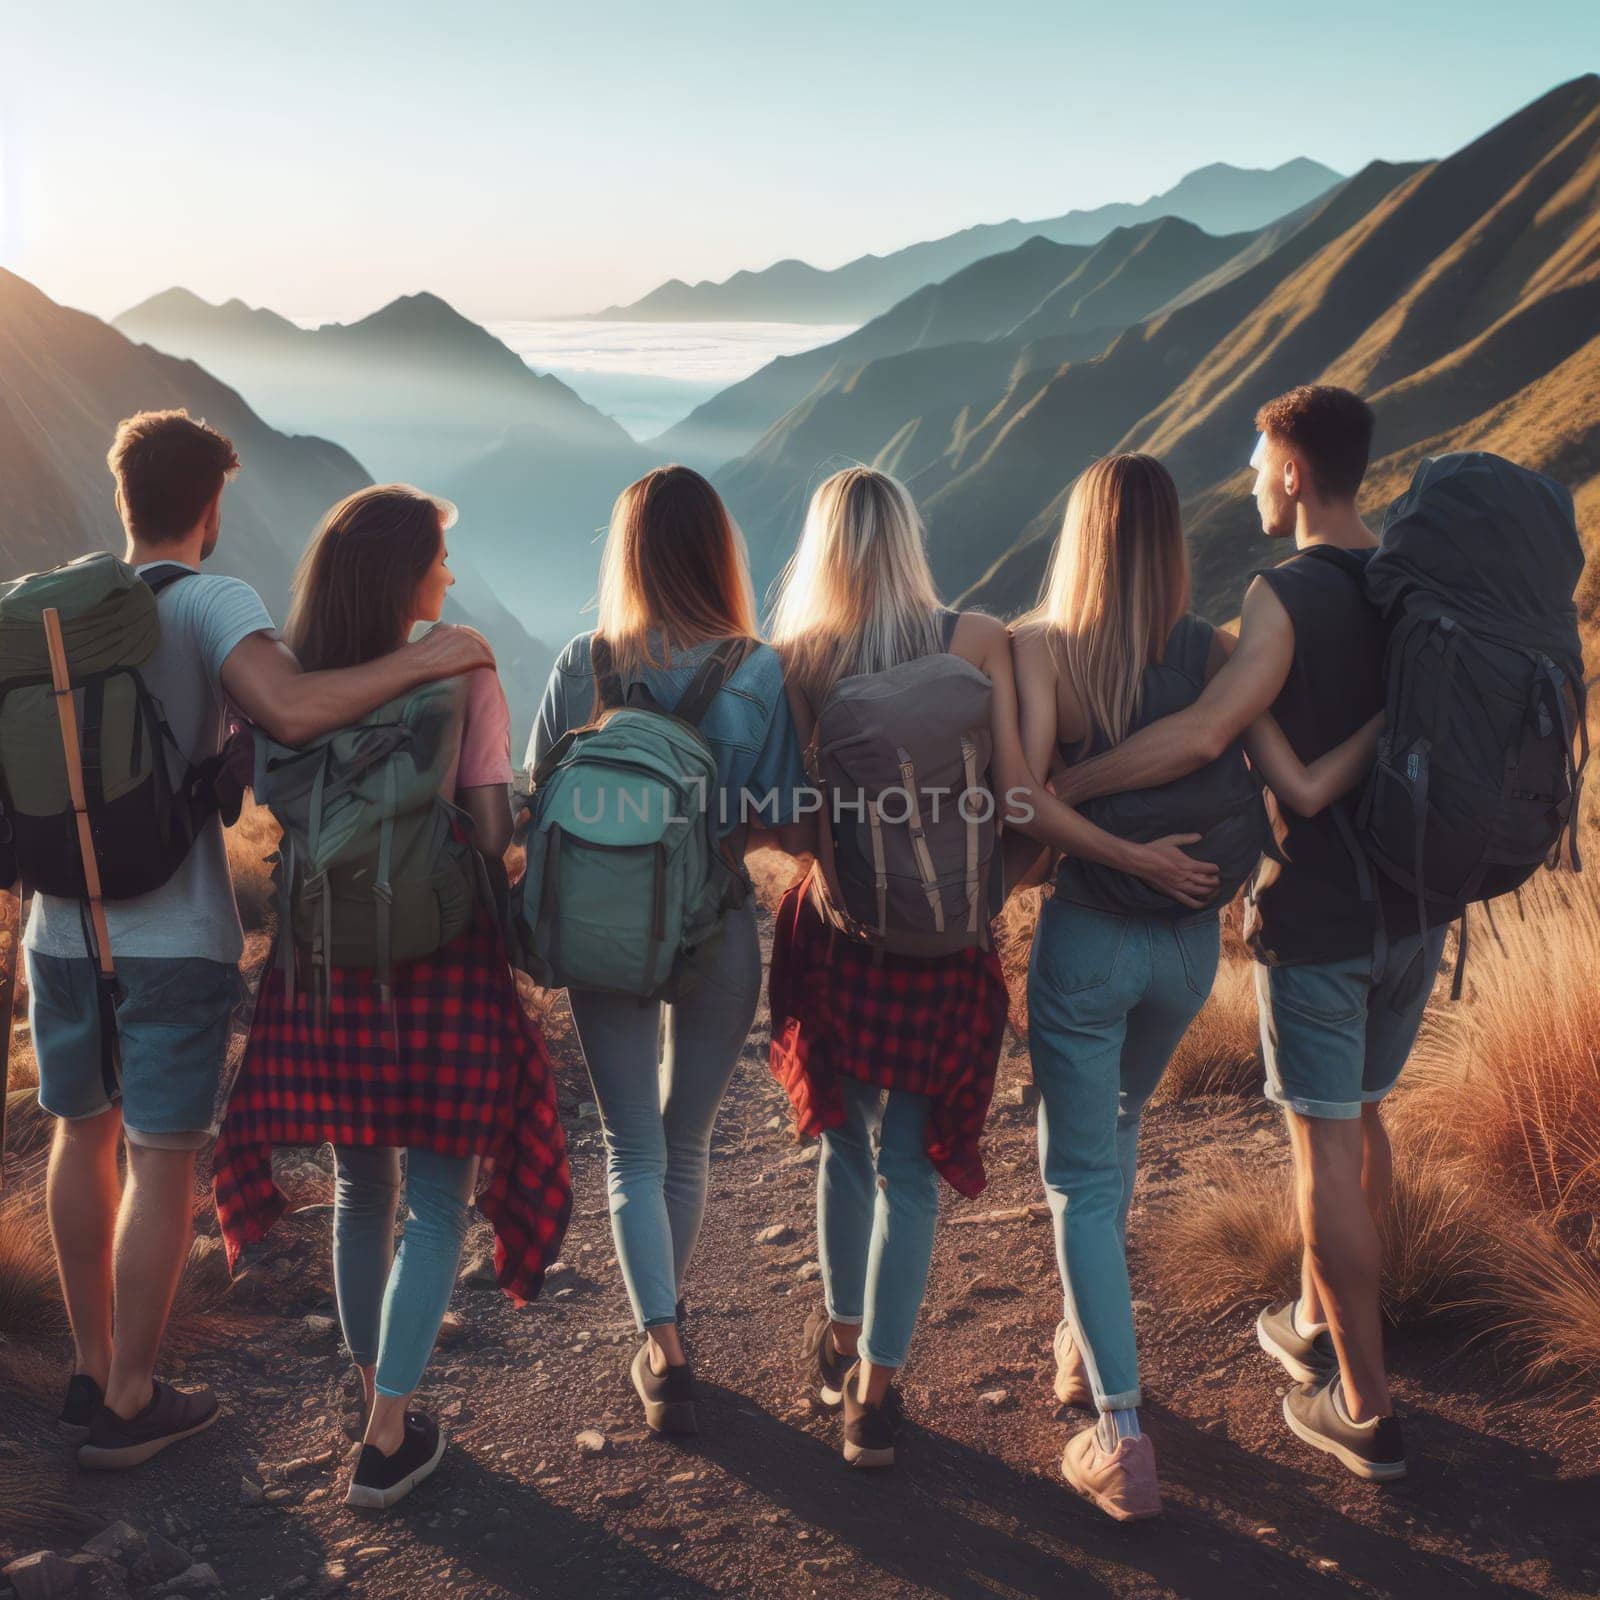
1072 1374
1122 1482
172 1414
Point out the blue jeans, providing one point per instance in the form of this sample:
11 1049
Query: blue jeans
659 1074
392 1302
1109 997
875 1218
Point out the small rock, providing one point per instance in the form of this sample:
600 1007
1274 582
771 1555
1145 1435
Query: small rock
452 1329
276 1497
776 1233
995 1398
774 1124
809 1270
372 1552
591 1442
807 1152
1325 1565
161 1559
479 1272
557 1270
42 1576
118 1541
201 1578
319 1327
1266 1533
333 1576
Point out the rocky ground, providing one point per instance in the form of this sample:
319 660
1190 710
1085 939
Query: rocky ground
551 1487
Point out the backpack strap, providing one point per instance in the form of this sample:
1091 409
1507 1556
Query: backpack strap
919 843
969 765
607 685
164 575
715 671
1342 560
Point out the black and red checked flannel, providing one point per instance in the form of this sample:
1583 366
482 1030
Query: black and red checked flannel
457 1067
930 1027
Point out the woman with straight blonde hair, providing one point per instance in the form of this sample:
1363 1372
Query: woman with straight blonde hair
869 1036
674 589
1119 970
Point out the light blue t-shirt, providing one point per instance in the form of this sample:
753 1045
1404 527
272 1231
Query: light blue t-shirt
748 726
193 913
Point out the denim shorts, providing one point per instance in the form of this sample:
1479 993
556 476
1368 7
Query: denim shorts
173 1019
1335 1040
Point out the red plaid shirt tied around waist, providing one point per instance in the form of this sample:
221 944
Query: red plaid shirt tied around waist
454 1065
931 1027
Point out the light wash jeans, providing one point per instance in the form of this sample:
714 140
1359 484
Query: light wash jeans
659 1073
392 1302
1109 997
875 1217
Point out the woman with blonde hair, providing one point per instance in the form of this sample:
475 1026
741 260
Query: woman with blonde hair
674 590
888 1002
1118 972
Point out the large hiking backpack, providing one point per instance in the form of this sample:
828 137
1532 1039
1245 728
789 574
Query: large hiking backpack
146 803
1476 780
1220 801
902 759
625 879
376 866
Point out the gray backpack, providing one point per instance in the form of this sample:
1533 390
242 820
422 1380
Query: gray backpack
902 759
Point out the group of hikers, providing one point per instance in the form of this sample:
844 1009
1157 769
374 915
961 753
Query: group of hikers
919 762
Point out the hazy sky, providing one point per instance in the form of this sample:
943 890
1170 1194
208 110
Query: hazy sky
526 159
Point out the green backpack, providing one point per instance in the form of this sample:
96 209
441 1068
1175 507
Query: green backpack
376 866
625 879
146 802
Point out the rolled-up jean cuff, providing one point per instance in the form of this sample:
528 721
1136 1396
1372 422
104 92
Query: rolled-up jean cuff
657 1322
190 1140
1372 1096
1128 1400
1328 1110
851 1319
390 1394
80 1116
881 1358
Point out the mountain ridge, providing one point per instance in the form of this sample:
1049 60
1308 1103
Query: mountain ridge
1229 199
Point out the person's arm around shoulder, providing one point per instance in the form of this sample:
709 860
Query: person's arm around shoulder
1025 803
483 776
261 676
1174 746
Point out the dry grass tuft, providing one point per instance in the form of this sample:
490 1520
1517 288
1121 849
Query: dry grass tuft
40 1502
30 1301
1233 1242
29 1126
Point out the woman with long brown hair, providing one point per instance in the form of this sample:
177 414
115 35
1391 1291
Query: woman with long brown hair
1120 967
429 1063
674 590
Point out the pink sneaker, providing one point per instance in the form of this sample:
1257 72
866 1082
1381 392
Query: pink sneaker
1122 1482
1072 1374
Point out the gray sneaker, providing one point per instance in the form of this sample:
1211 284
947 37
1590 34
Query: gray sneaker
1374 1450
1305 1360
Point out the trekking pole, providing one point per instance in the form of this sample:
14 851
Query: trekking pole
61 678
10 940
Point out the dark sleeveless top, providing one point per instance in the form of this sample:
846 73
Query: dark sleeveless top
1310 909
1192 804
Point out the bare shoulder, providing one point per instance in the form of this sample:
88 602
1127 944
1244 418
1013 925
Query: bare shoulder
980 638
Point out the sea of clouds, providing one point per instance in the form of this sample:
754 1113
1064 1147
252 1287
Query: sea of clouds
649 375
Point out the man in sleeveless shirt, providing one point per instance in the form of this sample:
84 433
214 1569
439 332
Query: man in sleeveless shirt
1335 1033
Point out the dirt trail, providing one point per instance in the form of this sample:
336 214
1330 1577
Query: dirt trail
762 1505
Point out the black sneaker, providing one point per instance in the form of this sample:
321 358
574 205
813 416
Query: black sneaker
868 1430
172 1414
380 1480
668 1397
823 1359
1372 1450
77 1410
1312 1360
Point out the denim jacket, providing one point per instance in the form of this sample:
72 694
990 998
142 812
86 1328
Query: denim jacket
748 726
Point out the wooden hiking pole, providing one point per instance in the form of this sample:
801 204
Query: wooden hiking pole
10 941
61 678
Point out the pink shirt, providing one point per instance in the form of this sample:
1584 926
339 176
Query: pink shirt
485 755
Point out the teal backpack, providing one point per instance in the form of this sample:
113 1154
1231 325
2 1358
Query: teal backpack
376 866
625 880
